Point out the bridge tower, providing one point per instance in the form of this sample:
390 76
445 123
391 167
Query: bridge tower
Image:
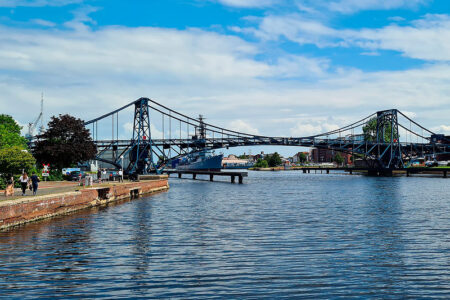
389 154
141 154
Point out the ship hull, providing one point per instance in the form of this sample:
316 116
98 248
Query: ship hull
212 163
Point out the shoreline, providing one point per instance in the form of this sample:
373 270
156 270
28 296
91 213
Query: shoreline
19 211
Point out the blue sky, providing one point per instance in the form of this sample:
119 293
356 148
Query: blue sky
273 67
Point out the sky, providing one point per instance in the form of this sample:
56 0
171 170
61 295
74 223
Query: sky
268 67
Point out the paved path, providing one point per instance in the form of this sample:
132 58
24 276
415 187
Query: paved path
50 187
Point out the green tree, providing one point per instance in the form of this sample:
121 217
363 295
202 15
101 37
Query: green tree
338 159
261 163
10 133
64 143
274 160
15 159
370 131
302 157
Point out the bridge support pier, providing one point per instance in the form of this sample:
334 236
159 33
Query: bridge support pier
304 171
241 179
179 175
445 174
233 179
407 173
351 172
328 171
211 177
194 176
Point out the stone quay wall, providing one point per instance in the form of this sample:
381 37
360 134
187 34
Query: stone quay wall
29 209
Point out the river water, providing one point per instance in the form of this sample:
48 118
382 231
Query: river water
279 235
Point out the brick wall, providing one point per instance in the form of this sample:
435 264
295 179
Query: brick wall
23 210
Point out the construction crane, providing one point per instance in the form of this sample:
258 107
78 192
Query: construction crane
40 118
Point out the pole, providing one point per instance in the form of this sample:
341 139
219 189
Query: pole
121 162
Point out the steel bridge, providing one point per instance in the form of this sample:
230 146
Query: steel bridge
385 140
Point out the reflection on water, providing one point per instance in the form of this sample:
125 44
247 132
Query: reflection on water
280 235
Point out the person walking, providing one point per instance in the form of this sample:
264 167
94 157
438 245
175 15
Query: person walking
24 182
35 183
99 176
120 175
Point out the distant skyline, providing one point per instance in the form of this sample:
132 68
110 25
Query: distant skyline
271 67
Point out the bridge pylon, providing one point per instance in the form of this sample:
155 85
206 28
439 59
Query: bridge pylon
389 151
141 154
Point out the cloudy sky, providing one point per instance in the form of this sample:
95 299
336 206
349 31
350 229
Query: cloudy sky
273 67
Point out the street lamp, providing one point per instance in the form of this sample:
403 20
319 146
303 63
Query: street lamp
121 161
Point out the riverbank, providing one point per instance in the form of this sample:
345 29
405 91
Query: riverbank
17 211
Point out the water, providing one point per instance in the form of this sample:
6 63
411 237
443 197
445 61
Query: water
280 235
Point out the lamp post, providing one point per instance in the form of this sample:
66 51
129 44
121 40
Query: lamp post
121 162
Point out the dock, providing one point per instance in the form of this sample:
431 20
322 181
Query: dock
233 174
377 172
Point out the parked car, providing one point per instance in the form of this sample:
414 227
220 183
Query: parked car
75 175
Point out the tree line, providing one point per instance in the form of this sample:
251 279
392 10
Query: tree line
65 143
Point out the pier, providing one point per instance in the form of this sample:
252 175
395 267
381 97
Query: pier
233 174
377 172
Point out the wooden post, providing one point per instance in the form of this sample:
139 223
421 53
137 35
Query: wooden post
233 179
241 179
211 177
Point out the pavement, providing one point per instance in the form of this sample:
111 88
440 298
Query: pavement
50 187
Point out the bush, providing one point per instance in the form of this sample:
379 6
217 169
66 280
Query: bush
261 163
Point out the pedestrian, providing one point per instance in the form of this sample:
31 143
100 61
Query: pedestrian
24 183
120 175
104 174
9 191
99 176
34 183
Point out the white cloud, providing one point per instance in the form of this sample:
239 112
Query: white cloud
43 23
425 39
242 126
442 129
248 3
88 72
351 6
37 3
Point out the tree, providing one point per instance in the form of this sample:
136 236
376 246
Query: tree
302 157
15 159
338 159
274 160
10 133
370 131
64 143
261 163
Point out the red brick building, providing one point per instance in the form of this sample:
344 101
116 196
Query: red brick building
319 155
